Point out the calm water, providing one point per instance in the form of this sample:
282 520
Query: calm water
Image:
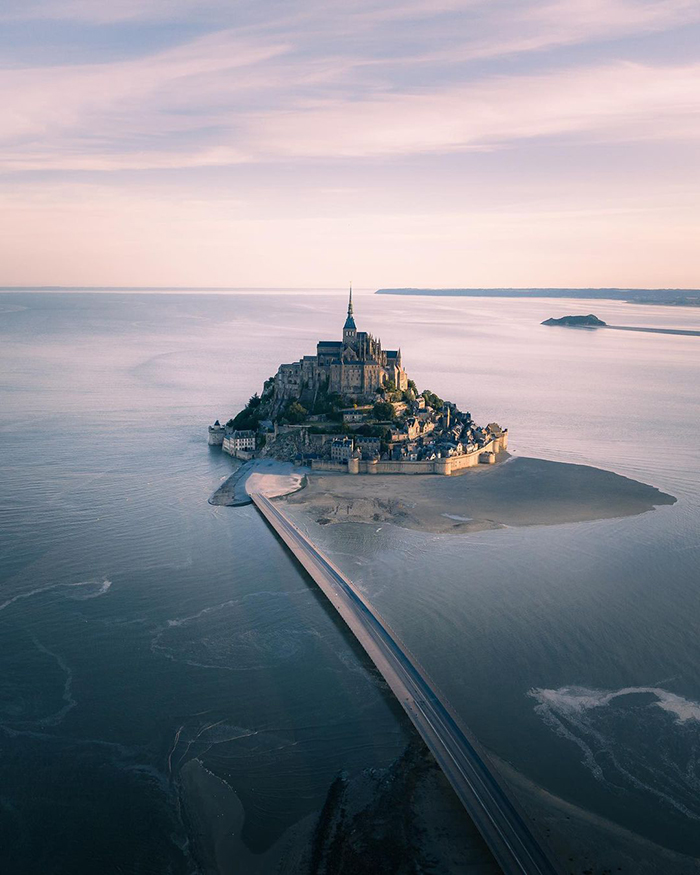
140 627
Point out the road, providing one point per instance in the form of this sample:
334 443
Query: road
499 820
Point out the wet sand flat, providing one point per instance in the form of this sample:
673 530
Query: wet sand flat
518 492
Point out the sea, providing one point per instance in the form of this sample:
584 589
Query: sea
142 628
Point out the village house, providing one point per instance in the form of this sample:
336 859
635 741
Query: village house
239 441
341 449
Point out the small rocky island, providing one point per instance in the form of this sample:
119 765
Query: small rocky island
352 407
589 321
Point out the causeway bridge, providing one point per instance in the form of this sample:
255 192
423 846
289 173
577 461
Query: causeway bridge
498 818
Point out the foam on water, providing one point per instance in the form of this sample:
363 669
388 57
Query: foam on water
572 700
98 588
628 745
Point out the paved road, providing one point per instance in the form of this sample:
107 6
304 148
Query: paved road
497 817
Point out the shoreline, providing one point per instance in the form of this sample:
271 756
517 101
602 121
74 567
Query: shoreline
271 477
521 492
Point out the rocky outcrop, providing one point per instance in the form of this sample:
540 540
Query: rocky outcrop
589 321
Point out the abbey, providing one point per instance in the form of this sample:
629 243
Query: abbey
356 367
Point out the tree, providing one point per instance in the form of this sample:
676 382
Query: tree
254 401
383 410
295 413
432 400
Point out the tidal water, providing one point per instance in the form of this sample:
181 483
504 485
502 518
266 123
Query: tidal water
141 627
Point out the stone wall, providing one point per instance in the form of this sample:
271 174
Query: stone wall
329 465
437 466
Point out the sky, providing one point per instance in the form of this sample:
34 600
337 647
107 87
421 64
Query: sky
469 143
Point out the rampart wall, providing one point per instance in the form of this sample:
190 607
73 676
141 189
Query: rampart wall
436 466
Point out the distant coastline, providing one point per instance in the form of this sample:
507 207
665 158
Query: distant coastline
666 297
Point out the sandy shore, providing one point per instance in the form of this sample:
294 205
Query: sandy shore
216 816
268 476
519 492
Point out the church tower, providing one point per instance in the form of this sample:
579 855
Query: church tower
349 329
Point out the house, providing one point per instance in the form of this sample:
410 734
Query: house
239 441
341 449
368 446
355 414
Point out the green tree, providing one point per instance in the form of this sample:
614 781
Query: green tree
432 400
295 413
383 410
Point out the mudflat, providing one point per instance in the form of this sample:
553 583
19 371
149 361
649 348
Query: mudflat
518 492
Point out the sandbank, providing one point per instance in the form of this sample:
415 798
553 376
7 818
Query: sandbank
519 492
268 476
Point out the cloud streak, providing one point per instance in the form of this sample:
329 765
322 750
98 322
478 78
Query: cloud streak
150 103
616 102
423 112
316 82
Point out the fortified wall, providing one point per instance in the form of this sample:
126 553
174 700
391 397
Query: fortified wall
485 455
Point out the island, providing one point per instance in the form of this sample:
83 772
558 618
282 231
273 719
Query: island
352 408
589 321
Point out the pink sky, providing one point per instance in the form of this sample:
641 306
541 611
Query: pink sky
472 143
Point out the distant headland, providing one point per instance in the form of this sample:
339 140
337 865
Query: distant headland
589 321
666 297
352 407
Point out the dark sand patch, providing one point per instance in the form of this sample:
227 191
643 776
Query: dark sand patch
401 819
522 492
588 844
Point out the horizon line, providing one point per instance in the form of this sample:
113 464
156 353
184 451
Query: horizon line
170 288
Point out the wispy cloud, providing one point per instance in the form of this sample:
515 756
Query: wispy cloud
273 89
114 10
613 102
96 109
124 116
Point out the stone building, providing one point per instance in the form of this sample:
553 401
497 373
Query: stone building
239 441
341 449
355 366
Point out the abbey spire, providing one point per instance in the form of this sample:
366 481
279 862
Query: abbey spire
349 328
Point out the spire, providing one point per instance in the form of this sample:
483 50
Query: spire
350 322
